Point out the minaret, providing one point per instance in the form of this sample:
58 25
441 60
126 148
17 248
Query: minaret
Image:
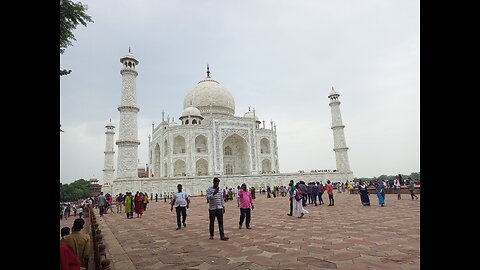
127 142
109 170
339 144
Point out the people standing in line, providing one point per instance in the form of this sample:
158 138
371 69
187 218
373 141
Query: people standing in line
381 193
291 190
398 187
364 195
246 202
79 241
181 202
411 188
298 210
102 201
331 201
216 208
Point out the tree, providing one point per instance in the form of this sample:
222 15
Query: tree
74 191
71 14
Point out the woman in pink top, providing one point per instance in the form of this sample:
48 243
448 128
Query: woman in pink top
246 202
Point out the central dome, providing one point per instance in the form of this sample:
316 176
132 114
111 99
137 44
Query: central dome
210 96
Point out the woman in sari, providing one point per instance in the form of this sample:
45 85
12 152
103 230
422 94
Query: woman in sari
138 204
364 196
381 193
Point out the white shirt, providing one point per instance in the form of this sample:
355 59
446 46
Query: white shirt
180 199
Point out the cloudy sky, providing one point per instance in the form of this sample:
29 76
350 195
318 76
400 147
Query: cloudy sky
281 57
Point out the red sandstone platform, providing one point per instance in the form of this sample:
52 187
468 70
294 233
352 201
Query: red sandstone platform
345 236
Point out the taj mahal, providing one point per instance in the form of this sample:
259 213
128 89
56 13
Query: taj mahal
208 141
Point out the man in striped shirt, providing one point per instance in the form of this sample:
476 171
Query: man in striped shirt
216 208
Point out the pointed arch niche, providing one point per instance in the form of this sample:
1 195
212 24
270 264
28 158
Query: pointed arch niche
235 158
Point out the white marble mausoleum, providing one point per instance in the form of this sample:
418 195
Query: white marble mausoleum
207 140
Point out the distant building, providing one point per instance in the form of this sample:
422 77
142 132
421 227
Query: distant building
95 188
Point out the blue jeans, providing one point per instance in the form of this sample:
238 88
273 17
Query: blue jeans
183 211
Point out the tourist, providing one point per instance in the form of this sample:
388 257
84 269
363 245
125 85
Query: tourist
235 191
380 192
303 188
331 201
80 211
246 202
64 232
79 241
128 203
181 202
101 203
411 188
364 195
216 208
314 193
138 204
291 189
298 210
398 187
68 258
321 189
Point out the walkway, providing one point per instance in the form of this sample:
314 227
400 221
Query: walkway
345 236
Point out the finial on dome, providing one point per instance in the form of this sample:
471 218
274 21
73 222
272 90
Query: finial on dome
248 108
333 89
208 71
129 49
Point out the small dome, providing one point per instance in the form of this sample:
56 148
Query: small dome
109 124
333 93
191 111
250 115
129 55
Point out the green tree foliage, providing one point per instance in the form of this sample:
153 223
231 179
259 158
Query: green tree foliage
71 15
74 191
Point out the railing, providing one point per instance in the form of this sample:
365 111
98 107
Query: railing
100 261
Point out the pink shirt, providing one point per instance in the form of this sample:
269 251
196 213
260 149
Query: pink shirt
245 199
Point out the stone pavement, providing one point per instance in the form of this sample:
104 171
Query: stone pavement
345 236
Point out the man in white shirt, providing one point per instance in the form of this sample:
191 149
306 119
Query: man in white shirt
181 202
398 187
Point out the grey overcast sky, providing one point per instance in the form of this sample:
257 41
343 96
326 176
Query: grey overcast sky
281 57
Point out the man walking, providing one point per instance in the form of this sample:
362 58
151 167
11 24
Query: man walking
181 202
245 203
216 208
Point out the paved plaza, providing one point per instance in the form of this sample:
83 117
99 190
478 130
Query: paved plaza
345 236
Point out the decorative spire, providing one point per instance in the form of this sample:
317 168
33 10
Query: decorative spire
332 89
248 108
129 49
208 71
